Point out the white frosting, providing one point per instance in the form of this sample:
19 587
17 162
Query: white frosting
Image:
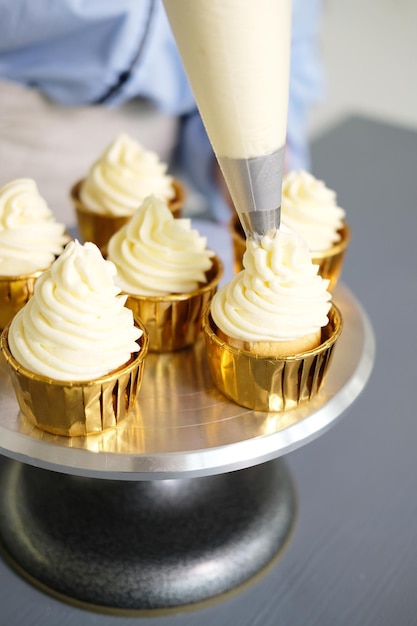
237 56
75 327
156 254
277 297
310 208
30 238
123 177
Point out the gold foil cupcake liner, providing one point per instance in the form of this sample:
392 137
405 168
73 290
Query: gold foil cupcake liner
15 292
99 228
265 383
176 203
77 408
174 321
330 261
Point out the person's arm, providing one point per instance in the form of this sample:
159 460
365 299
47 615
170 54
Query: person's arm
109 53
306 79
195 158
93 52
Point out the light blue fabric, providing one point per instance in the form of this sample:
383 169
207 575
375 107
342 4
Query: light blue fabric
306 79
75 52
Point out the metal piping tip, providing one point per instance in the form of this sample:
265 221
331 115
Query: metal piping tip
255 186
256 224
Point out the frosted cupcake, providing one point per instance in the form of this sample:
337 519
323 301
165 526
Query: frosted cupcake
30 240
169 274
74 351
270 331
117 183
310 209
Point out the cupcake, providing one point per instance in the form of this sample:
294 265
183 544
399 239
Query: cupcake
74 351
310 209
169 274
271 330
30 240
117 183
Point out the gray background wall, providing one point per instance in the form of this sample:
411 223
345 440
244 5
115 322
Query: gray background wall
369 51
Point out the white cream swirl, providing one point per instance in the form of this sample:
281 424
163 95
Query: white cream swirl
310 209
75 326
277 297
123 177
156 254
30 238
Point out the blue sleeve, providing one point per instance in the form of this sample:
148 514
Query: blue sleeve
306 79
78 52
195 157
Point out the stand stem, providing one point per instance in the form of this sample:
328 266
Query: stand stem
149 545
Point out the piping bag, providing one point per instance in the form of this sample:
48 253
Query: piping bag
236 54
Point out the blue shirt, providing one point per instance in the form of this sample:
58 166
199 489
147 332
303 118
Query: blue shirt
100 51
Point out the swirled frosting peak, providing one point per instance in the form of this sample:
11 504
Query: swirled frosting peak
278 296
310 209
157 254
30 238
123 177
75 327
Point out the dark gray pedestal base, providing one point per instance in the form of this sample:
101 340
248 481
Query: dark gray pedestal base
132 546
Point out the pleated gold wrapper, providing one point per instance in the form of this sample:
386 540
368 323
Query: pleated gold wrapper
265 383
99 228
15 291
77 408
330 261
174 321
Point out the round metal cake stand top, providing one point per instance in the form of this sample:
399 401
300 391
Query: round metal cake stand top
184 427
181 503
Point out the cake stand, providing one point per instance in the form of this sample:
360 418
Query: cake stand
186 500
